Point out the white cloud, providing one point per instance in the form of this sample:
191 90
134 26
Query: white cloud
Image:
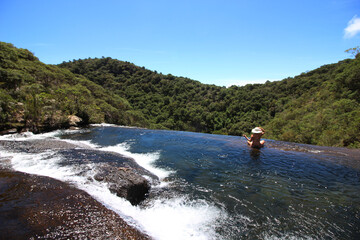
353 27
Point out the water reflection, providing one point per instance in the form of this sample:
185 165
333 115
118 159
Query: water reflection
255 153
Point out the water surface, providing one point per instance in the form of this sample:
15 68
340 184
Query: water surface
216 187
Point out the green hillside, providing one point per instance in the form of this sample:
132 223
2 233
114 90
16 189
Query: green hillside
328 110
180 103
41 97
318 107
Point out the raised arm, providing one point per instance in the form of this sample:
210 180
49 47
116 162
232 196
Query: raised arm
262 130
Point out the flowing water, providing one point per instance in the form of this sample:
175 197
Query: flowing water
212 186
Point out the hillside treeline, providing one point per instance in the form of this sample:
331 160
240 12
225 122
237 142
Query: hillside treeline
41 97
317 107
327 112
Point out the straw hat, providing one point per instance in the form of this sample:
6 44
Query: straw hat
256 130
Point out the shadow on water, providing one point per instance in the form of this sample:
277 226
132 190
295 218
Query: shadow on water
255 154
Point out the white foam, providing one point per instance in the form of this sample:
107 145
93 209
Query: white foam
31 136
82 143
46 164
175 218
17 136
179 218
145 160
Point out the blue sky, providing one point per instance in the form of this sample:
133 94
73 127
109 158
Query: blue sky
221 42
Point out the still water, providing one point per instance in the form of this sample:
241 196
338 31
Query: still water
216 187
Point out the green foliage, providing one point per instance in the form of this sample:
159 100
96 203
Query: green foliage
177 103
354 51
299 109
318 107
327 114
40 97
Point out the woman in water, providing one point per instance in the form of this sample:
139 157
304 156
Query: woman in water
255 141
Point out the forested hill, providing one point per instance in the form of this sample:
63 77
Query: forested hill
42 97
318 107
328 113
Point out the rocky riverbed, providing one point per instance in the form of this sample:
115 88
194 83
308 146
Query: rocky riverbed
38 207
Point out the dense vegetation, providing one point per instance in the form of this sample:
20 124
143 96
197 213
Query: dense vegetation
328 110
41 97
318 107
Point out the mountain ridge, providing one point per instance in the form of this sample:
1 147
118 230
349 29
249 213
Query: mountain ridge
320 107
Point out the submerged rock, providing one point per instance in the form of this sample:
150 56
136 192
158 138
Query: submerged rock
35 146
125 182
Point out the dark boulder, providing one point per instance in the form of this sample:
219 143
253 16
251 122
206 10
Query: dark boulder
125 182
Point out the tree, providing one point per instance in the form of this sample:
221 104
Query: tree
354 51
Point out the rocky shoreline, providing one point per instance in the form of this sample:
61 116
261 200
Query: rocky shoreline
38 207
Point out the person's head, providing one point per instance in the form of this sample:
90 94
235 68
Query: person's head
256 130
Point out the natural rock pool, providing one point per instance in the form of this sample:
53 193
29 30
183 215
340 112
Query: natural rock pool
211 186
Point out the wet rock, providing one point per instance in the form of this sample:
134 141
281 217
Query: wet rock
35 207
124 176
125 182
35 146
9 131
